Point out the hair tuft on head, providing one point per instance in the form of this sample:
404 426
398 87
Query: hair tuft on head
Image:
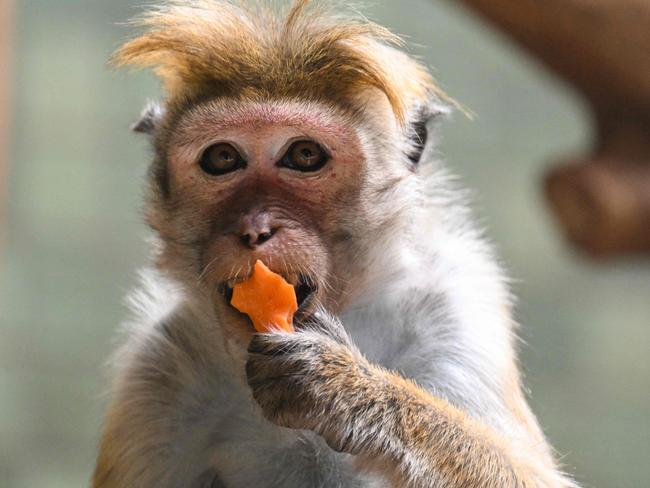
230 48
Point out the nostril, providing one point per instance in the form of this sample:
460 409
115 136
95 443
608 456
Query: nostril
246 239
263 237
256 238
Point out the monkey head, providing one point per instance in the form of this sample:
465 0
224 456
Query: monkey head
295 142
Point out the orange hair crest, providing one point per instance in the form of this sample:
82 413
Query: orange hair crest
228 48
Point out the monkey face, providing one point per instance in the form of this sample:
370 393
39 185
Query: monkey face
282 182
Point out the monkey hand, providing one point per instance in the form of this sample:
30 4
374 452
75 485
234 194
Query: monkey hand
314 379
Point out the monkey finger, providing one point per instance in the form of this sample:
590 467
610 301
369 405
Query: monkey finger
326 324
274 344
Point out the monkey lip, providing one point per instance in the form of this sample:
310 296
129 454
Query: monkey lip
303 286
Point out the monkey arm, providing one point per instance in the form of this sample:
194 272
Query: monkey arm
316 379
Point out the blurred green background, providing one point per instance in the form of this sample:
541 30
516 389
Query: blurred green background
75 239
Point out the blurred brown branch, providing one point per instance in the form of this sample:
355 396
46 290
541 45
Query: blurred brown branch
603 49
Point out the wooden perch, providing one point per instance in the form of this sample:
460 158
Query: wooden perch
603 49
605 207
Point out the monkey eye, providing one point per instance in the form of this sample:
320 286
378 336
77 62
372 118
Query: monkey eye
304 156
220 159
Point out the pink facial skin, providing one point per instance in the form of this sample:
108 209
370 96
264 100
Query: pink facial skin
308 209
262 132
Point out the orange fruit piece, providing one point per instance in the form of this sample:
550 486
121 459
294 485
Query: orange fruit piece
267 299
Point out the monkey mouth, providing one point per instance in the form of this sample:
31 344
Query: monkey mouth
304 286
305 289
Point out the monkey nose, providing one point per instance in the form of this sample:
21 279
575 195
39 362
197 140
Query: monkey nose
256 237
256 228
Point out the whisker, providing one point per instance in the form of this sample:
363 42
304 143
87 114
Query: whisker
206 269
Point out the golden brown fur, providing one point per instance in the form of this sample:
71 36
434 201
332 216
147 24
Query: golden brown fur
232 49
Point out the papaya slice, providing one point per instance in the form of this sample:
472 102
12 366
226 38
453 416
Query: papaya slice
267 299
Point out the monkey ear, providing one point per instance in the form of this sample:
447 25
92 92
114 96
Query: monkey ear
150 119
420 123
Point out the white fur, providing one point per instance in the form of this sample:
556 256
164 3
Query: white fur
434 309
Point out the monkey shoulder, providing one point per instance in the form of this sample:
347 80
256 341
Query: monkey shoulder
444 331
